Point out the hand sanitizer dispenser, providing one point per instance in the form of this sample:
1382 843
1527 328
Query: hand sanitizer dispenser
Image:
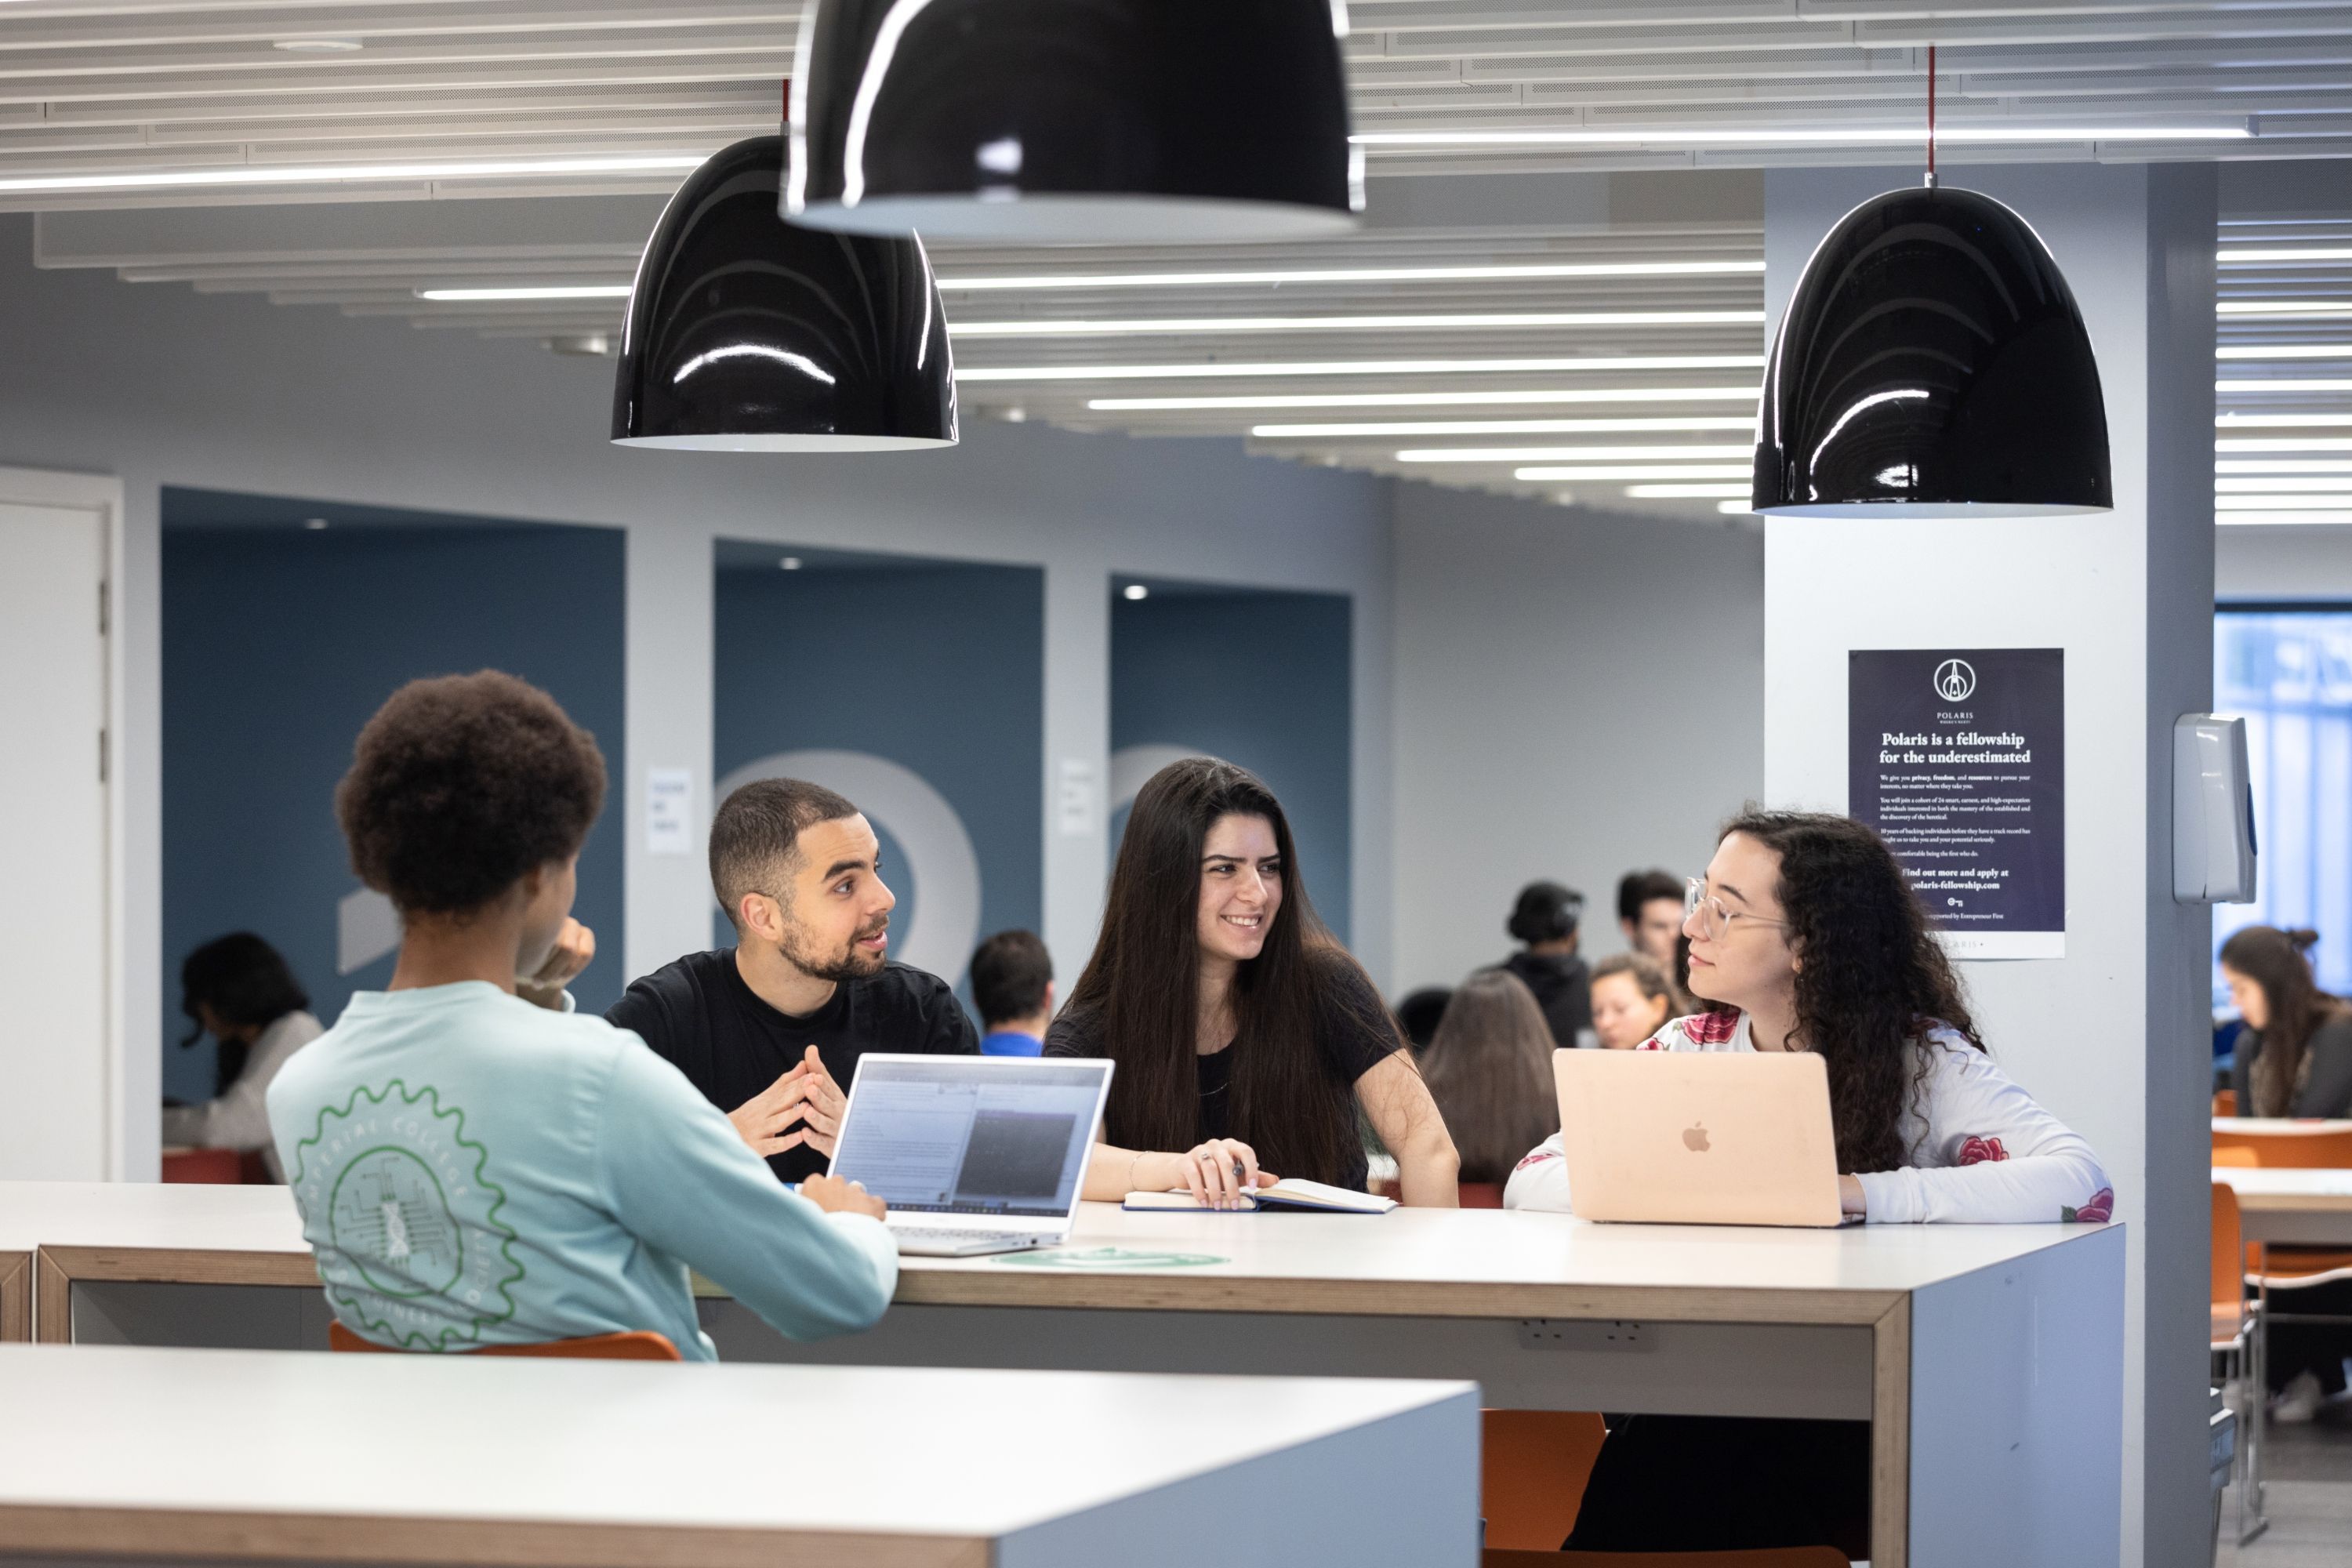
2212 812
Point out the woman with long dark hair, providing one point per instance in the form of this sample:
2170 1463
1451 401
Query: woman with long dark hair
1247 1040
2294 1056
238 989
1805 936
1489 1069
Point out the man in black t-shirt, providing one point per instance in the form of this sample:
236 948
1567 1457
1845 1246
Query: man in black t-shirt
769 1030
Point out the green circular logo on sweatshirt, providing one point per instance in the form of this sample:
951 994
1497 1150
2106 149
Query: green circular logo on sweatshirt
405 1220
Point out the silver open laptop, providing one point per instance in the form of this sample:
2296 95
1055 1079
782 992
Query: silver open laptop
973 1155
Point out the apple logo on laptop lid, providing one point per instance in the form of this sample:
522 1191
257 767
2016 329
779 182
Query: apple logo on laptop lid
1694 1138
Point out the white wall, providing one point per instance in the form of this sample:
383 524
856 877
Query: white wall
2111 1038
1578 695
161 385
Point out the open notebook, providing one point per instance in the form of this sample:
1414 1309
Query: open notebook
1289 1194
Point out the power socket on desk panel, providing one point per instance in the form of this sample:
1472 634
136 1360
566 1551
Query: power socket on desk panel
1583 1335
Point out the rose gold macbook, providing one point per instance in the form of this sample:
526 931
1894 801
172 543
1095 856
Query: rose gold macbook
1698 1137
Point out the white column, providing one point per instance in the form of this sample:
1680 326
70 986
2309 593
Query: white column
2114 1037
669 696
1076 763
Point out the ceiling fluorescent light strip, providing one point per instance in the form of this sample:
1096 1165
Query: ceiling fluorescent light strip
1427 399
2242 518
1725 269
2290 484
2283 466
340 174
1225 324
552 292
1855 136
2236 255
1635 471
2306 444
2284 351
1357 367
2285 309
1504 428
2304 500
2306 387
1515 454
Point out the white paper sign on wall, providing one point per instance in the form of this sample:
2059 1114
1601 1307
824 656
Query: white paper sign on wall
1074 801
669 811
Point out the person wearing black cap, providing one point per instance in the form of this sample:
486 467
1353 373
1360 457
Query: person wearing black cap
1545 919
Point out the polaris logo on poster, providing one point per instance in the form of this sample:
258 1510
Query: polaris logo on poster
1957 759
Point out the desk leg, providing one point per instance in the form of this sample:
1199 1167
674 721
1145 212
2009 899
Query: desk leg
53 1302
1890 1438
15 1297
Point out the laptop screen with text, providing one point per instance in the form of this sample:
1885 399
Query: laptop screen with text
947 1135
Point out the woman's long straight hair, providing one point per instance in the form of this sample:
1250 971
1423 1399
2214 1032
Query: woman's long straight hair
2273 960
1875 978
1489 1070
1140 990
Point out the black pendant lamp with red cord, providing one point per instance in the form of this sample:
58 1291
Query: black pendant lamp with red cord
1932 364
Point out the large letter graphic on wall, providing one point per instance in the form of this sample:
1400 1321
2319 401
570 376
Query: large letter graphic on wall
946 925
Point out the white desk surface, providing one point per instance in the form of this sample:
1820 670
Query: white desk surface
2280 1126
1421 1249
782 1450
2270 1187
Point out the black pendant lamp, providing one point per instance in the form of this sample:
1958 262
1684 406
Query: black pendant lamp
1071 121
748 334
1932 364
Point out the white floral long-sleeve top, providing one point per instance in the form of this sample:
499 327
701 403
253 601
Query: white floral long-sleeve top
1982 1151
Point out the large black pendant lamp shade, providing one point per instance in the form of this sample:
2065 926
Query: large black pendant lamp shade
1107 120
1932 364
747 334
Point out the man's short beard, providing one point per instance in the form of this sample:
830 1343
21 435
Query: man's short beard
851 965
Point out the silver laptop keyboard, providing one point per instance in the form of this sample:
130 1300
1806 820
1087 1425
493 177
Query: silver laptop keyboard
943 1234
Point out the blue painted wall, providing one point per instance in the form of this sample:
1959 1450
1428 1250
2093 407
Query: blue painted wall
1258 679
278 642
938 668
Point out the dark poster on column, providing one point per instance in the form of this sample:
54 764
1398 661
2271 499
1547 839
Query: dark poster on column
1957 757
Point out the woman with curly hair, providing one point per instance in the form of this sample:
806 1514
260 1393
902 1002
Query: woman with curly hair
1806 937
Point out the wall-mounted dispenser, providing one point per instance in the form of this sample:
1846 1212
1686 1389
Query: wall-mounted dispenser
2212 812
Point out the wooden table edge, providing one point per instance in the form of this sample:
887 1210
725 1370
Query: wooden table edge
180 1532
15 1297
1890 1436
2293 1202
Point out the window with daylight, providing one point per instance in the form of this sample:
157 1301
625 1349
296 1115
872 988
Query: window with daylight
2288 672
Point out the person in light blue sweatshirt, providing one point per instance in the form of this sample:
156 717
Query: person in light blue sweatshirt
473 1169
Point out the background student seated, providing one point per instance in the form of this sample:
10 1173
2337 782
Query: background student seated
2293 1058
239 990
1805 936
769 1030
472 1169
1242 1028
1013 986
1489 1070
1650 913
1544 916
1631 1000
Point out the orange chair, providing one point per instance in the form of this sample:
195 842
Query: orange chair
1762 1557
1481 1194
2225 1103
2236 1159
637 1345
1532 1466
2284 1150
207 1167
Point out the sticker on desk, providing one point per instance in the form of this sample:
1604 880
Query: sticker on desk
1107 1257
